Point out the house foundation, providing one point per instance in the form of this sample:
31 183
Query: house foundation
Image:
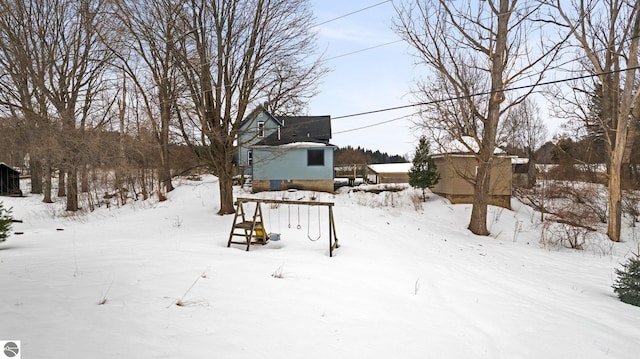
284 185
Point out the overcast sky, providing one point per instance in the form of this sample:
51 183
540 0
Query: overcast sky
373 79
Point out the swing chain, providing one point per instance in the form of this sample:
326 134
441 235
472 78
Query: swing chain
309 225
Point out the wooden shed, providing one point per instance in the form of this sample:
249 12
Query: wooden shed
520 170
458 171
458 166
9 181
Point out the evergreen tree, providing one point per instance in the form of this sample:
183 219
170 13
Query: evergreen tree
627 285
424 172
5 222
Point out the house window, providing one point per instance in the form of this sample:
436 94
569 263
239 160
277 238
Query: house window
315 157
250 158
260 129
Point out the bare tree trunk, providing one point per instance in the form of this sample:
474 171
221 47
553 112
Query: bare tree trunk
121 160
614 221
164 171
35 168
143 184
625 131
62 184
226 195
478 221
84 179
72 190
47 182
531 169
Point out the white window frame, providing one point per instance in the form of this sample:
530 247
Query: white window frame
260 128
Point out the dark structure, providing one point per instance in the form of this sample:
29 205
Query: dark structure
9 181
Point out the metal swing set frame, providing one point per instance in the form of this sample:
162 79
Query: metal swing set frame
253 231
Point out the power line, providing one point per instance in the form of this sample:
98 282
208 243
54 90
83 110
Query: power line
362 50
351 13
323 60
376 124
466 97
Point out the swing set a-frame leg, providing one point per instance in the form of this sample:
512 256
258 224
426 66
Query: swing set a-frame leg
333 237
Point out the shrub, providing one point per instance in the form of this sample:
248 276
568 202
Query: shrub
559 233
627 284
631 206
5 222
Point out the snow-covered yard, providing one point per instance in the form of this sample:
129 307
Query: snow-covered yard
405 283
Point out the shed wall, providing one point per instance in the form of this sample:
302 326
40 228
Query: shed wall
9 181
456 172
393 177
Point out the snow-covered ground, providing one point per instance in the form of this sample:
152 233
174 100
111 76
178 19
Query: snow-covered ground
405 283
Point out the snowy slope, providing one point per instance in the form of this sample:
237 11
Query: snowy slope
405 283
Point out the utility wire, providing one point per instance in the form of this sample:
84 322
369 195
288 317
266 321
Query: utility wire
351 13
377 123
361 50
322 60
465 97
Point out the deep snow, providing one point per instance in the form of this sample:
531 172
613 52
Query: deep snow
405 283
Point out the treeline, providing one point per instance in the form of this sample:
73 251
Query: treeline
92 87
349 155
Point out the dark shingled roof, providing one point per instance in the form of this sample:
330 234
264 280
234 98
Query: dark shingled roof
300 129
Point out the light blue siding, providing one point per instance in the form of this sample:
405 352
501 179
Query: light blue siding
248 136
290 163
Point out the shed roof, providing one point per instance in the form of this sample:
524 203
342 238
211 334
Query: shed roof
4 165
519 161
464 145
391 167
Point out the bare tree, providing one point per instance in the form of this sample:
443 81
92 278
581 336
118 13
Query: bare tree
476 50
23 66
54 47
238 53
147 53
523 130
18 98
608 33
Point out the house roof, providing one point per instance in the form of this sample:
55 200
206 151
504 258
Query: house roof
391 167
300 129
293 128
253 114
297 145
